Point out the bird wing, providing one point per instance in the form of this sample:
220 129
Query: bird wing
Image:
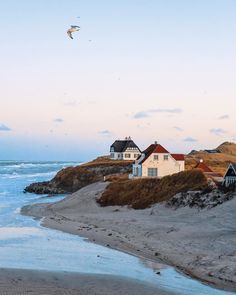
75 27
69 34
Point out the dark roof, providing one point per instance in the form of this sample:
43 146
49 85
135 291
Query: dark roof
234 166
231 171
212 151
121 145
202 166
159 149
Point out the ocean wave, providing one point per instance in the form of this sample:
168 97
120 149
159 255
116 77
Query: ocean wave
3 194
15 175
18 210
25 164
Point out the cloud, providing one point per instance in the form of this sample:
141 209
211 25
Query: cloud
217 131
145 114
190 139
223 117
58 120
105 132
178 128
4 128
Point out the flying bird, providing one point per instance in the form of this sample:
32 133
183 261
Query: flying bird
72 30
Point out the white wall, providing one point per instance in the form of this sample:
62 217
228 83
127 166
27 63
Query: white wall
164 167
133 153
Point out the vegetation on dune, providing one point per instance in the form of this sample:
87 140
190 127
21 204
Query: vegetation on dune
142 193
105 160
218 162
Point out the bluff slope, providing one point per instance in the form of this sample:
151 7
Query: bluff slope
71 179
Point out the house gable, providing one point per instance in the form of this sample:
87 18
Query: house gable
153 149
231 172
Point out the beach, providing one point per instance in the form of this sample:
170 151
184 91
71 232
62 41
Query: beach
200 243
21 282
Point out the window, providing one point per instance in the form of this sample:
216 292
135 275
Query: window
155 157
127 156
166 157
112 149
112 155
152 172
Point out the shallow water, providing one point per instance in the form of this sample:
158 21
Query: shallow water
25 244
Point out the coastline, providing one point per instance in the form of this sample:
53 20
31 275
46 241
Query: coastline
155 234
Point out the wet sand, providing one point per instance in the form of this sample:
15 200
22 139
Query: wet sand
199 243
22 282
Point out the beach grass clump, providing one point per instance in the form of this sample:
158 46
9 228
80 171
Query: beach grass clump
142 193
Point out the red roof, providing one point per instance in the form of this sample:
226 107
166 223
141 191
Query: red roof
178 157
156 148
202 166
159 149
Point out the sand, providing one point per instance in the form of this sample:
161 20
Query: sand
201 243
22 282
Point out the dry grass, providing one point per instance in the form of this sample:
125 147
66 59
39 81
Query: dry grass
105 161
117 177
217 162
141 193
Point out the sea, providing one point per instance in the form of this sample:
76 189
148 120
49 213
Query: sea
25 244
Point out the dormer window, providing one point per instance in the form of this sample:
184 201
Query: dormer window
112 149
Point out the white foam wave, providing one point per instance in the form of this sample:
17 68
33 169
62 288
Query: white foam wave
46 164
17 211
3 194
18 175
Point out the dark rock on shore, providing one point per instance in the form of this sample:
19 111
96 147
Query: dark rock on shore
71 179
200 199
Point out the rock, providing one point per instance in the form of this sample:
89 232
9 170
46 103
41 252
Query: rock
200 199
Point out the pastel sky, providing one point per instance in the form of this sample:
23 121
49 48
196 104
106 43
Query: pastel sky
151 69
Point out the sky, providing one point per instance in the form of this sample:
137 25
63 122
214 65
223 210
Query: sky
154 70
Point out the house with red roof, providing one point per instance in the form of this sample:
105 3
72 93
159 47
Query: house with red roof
156 161
209 173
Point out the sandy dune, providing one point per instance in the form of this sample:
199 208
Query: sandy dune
201 243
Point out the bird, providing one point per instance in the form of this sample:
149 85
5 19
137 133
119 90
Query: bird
72 30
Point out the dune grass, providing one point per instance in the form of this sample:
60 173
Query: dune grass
142 193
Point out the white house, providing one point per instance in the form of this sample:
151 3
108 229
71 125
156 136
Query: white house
124 150
156 161
230 175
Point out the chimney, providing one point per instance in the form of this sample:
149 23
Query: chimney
155 142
